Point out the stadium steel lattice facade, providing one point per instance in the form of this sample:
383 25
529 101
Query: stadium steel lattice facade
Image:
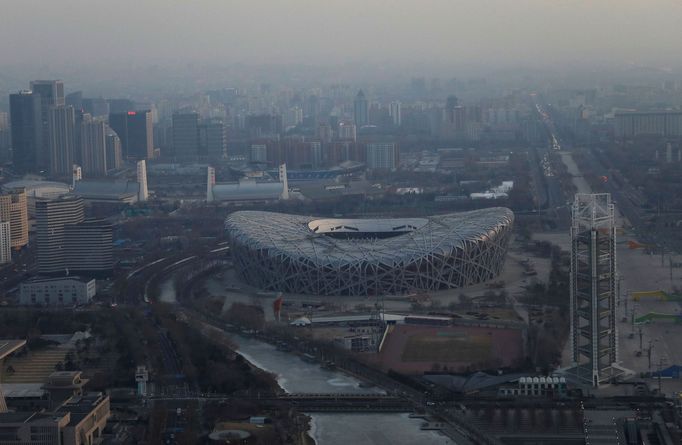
360 257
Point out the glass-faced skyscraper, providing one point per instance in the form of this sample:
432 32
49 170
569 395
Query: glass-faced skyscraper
27 130
51 94
134 128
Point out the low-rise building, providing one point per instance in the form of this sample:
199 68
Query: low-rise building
32 428
67 291
536 387
62 413
79 421
88 416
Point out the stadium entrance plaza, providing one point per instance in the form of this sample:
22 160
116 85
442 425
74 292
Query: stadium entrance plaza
640 272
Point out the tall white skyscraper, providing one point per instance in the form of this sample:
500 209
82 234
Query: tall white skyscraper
143 192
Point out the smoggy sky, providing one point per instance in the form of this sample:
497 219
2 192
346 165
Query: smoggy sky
488 33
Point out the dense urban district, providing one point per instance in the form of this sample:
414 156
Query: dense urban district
446 261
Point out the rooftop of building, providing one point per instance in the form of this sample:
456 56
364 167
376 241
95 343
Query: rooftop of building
27 416
65 379
33 184
9 346
106 188
38 280
80 407
23 390
474 382
247 190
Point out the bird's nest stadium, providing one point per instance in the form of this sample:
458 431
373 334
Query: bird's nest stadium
362 257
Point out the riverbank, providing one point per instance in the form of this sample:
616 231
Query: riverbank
296 375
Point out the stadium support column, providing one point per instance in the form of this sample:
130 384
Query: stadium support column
210 182
284 180
593 288
143 193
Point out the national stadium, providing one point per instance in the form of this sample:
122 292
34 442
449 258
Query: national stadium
362 257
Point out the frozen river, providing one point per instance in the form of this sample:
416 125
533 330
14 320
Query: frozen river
297 376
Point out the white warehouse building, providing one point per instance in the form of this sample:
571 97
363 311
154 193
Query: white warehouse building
66 291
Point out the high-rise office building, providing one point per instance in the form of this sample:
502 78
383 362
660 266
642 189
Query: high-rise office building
89 247
113 149
51 94
263 125
74 100
213 139
324 132
27 130
52 216
292 117
382 156
258 153
316 153
14 209
50 91
134 128
593 289
67 243
450 103
361 109
347 131
93 149
394 111
455 115
96 106
5 242
186 136
119 106
648 123
5 142
61 139
140 135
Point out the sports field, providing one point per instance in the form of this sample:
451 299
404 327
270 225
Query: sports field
447 347
413 349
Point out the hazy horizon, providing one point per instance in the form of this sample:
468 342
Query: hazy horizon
492 33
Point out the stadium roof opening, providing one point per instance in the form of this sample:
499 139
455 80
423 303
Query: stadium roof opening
366 228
